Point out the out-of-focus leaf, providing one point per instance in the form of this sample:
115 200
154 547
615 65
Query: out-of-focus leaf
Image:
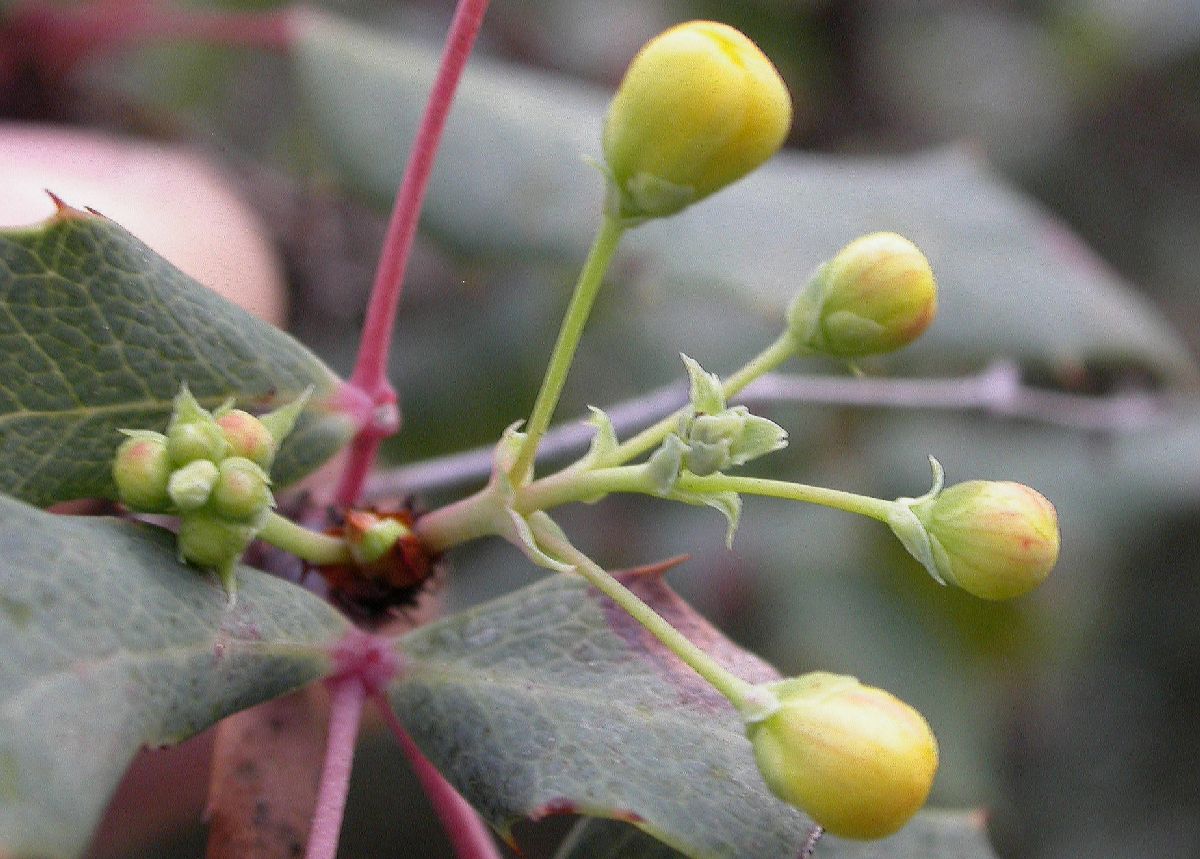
930 835
511 180
552 700
97 333
111 644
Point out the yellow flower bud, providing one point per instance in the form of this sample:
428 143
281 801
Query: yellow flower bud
856 759
876 295
700 107
994 539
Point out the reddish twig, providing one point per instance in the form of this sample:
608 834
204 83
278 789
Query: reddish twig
365 665
370 370
347 694
469 835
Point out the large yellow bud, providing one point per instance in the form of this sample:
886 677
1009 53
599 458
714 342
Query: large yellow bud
700 107
856 759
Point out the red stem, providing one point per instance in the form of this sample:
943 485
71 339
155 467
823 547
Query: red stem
347 692
469 835
370 370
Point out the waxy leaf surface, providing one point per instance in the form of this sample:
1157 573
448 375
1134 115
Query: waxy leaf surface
98 332
930 835
511 180
111 644
552 700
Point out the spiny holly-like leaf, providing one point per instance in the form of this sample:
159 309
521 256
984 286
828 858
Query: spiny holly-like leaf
511 179
552 700
97 332
110 644
930 835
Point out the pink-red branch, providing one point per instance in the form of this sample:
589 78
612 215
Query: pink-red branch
468 834
370 370
347 694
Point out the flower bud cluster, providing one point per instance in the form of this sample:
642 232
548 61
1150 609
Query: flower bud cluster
211 470
716 437
856 759
876 295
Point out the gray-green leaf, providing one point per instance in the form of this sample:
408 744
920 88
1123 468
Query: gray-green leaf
98 332
111 644
553 700
930 835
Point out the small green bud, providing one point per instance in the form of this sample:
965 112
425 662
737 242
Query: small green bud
191 486
856 759
242 492
876 295
700 107
192 433
248 437
994 539
141 470
211 542
370 536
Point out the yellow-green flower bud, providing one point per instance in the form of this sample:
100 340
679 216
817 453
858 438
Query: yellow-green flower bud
248 437
856 759
141 470
242 492
191 486
211 542
700 107
876 295
994 539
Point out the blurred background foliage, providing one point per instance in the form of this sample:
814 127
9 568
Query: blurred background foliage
995 130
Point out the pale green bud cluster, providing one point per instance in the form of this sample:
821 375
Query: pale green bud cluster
855 758
876 295
700 106
716 437
211 470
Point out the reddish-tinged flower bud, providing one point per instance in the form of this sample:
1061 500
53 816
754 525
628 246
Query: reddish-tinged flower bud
995 539
248 437
876 295
141 470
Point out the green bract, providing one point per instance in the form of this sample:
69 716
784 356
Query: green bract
699 108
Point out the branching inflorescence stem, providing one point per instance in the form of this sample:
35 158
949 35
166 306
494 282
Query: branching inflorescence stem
370 370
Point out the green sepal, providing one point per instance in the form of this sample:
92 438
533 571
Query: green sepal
707 396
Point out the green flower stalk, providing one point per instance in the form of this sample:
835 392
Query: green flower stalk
856 759
699 108
876 295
